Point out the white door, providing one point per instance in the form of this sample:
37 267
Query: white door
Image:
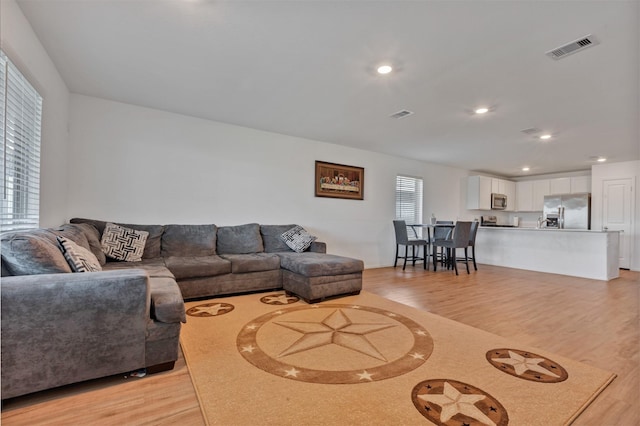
616 214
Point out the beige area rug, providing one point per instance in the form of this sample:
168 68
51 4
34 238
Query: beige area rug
272 359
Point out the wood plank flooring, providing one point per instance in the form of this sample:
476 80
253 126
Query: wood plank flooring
595 322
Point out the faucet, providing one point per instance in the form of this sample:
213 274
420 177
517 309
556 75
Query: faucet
539 224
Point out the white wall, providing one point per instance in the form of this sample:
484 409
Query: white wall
622 170
140 165
22 46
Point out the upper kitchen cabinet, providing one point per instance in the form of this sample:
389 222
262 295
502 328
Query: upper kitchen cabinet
524 196
540 189
580 184
560 185
480 188
479 193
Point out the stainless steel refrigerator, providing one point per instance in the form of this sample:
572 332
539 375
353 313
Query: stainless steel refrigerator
568 211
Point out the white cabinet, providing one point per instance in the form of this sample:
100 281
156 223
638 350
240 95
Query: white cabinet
560 185
479 193
580 184
540 189
480 188
524 196
510 192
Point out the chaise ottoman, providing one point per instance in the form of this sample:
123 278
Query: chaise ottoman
317 276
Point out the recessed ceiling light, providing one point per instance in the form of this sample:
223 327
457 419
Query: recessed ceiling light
525 169
601 159
545 137
481 110
384 69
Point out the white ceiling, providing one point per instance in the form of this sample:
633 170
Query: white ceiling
306 68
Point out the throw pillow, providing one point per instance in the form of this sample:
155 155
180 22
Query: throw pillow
297 239
79 258
123 243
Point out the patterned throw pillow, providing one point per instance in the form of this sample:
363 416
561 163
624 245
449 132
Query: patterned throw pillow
79 258
122 243
297 239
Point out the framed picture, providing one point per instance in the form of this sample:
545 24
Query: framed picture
339 181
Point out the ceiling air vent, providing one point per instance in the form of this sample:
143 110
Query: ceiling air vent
401 114
573 47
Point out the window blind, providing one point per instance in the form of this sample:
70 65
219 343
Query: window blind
20 125
409 199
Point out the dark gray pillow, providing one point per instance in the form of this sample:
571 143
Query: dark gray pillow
241 239
271 237
93 238
189 240
31 253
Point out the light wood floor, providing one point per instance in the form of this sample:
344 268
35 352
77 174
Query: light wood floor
591 321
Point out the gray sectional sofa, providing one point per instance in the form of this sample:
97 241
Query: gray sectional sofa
60 327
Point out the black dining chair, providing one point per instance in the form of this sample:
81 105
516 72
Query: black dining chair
441 233
460 239
402 239
472 242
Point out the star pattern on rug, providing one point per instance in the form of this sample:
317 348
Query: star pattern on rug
522 364
336 329
452 402
334 343
527 365
292 372
279 299
249 348
210 310
365 376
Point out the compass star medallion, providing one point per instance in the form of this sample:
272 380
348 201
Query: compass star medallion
333 343
526 365
210 310
279 299
449 402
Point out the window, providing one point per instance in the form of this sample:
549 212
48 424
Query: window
20 122
409 199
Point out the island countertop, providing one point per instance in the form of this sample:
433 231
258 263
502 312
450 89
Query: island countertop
576 252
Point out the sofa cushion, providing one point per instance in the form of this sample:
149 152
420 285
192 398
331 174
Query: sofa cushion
121 243
79 258
239 239
252 262
319 264
153 267
189 240
166 301
93 238
195 267
298 239
271 237
32 252
152 246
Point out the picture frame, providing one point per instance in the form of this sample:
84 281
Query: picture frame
339 181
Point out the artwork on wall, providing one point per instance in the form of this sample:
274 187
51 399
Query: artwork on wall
339 181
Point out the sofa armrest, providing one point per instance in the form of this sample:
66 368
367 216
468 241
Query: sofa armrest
318 247
65 328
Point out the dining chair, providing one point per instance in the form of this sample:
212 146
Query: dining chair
460 239
402 239
472 242
441 233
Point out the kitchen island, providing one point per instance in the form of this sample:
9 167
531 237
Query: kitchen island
575 252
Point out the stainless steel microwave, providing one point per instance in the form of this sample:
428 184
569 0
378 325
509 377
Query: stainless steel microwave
498 201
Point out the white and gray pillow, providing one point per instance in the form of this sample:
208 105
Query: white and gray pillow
79 258
122 243
297 239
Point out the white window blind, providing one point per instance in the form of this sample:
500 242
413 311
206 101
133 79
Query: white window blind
20 124
409 199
